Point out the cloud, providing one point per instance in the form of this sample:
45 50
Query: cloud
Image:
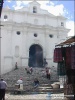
51 3
52 8
26 2
57 10
9 1
20 4
71 25
17 7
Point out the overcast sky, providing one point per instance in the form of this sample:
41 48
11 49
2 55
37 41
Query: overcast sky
56 7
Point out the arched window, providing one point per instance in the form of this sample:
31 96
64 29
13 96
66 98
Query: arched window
34 9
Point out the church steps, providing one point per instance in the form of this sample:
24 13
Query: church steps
28 79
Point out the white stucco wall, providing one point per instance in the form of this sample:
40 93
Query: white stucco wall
15 48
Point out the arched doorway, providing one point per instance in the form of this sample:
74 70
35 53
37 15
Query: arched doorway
35 56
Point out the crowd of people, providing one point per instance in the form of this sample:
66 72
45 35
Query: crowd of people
19 83
29 70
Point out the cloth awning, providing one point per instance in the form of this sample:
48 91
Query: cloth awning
68 41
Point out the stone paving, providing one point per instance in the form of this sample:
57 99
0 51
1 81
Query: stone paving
36 97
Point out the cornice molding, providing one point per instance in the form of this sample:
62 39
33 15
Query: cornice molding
8 56
21 26
63 29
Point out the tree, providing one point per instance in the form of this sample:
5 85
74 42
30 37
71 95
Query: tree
1 5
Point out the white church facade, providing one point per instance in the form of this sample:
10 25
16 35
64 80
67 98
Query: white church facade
29 35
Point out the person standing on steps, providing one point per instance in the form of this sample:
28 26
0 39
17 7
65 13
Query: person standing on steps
49 73
45 63
46 72
16 67
3 86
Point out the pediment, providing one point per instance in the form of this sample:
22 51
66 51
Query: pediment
34 3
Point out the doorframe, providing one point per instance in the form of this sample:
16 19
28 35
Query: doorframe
41 49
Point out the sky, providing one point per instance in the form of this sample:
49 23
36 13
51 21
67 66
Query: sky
55 7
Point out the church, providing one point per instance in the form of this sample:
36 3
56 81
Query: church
29 35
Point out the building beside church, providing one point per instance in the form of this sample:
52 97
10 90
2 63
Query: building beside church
29 35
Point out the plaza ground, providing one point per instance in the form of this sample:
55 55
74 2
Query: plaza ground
47 96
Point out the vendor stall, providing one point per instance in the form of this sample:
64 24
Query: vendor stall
64 55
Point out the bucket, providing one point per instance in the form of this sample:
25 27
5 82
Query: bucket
55 86
17 86
21 86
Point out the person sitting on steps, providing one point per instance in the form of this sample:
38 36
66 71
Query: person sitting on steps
36 82
29 70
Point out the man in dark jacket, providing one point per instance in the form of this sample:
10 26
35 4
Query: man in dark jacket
3 86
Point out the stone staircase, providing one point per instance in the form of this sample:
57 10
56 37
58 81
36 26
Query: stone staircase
45 84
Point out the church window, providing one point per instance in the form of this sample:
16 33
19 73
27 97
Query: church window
50 35
18 32
62 24
34 9
5 17
35 35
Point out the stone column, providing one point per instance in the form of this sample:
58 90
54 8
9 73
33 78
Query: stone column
9 42
24 43
25 51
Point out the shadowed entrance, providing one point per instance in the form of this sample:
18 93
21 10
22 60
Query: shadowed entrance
35 56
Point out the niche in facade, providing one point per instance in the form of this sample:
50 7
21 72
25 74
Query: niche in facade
16 51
